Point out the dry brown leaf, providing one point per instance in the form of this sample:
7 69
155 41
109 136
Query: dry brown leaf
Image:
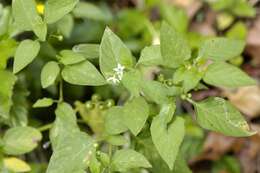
253 42
246 99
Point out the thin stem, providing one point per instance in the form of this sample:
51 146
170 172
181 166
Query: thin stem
61 91
191 101
45 127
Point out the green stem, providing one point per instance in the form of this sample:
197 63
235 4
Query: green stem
61 91
45 127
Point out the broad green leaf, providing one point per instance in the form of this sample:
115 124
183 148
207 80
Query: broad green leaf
72 153
19 110
68 57
65 25
6 92
7 50
94 165
243 8
116 140
189 77
104 158
219 115
57 9
222 74
221 4
25 54
174 47
151 56
221 49
176 17
126 159
238 31
167 138
132 82
83 73
72 148
49 73
112 53
155 91
89 51
44 102
16 165
27 18
21 140
5 18
89 11
114 121
158 165
136 112
65 123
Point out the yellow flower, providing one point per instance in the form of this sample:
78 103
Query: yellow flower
40 8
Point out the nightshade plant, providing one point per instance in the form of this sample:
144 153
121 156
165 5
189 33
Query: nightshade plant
144 132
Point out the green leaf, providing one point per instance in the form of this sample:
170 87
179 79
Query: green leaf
126 159
189 77
68 57
19 110
57 9
49 73
238 31
89 11
151 56
65 25
65 124
222 74
21 140
243 8
221 49
72 149
167 138
6 92
44 102
16 165
113 52
25 54
83 73
116 140
176 17
7 49
5 18
27 18
94 165
132 81
89 51
114 121
72 153
219 115
136 112
155 91
174 47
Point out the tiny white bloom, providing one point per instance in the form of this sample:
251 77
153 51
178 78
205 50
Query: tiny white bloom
113 79
119 69
118 76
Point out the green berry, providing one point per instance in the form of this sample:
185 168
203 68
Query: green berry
109 103
169 83
89 105
160 78
95 97
101 106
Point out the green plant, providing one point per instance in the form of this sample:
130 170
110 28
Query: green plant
143 132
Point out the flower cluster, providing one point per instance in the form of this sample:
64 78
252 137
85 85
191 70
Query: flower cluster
118 75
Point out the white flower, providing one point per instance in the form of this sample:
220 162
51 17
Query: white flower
113 79
118 75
